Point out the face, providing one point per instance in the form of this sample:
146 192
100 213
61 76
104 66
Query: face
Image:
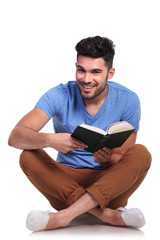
91 76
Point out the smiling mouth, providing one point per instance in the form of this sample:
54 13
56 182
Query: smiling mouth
87 86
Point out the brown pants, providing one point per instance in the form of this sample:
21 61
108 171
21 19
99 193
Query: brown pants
63 185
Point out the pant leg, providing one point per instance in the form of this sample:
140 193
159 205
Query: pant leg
50 178
122 200
61 185
118 182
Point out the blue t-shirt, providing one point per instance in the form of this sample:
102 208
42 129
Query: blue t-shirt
65 105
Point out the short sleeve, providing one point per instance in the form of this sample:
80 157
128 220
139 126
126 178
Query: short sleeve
52 102
132 111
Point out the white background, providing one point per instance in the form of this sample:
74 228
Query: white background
37 40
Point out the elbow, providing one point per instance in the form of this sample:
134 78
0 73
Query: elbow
11 140
15 139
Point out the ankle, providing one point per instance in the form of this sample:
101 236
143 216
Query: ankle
57 220
112 217
63 218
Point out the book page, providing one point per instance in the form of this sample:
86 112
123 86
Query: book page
119 127
94 129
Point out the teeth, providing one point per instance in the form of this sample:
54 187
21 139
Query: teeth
87 87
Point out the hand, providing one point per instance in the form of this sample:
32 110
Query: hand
106 157
103 157
63 142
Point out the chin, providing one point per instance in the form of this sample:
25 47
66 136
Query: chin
89 96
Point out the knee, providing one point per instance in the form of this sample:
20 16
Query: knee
28 160
141 155
24 159
142 151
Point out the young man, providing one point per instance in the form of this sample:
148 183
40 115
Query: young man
79 181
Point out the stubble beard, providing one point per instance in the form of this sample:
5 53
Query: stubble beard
96 93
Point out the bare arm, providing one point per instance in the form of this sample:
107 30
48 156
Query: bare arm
107 157
26 134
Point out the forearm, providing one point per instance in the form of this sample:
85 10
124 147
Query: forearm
117 153
26 138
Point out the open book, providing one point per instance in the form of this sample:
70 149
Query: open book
96 138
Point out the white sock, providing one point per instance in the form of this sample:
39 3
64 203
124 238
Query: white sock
133 217
37 220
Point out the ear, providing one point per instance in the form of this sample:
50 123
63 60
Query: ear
111 73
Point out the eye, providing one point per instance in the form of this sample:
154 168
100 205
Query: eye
96 71
80 70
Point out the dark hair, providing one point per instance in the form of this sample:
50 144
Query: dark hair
97 47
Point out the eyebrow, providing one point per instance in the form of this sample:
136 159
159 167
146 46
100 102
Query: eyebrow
78 66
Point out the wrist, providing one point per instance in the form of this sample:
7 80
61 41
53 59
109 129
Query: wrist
115 157
46 139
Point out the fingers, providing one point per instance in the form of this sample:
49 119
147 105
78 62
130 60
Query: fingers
103 155
78 144
107 150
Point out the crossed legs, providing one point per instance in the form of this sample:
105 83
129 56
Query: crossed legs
84 204
95 191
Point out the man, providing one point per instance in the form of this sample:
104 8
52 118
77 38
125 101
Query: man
79 181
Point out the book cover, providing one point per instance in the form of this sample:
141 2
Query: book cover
96 140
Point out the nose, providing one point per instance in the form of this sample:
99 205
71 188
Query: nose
87 78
